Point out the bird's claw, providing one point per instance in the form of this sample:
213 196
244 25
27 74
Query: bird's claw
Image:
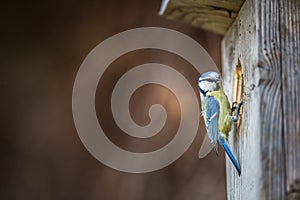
237 108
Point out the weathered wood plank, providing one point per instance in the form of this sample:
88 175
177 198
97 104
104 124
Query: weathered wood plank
290 75
212 15
265 38
272 143
241 44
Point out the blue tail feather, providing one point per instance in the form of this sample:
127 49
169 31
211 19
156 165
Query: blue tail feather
230 155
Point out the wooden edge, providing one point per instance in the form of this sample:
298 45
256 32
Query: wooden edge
213 15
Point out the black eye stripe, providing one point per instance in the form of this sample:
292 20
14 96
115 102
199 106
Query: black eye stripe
208 80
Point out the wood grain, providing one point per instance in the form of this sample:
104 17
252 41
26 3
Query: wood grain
241 44
265 37
212 15
272 142
290 75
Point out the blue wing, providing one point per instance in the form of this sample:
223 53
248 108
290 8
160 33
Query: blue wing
211 111
212 119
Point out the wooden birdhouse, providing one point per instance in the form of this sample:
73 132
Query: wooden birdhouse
261 67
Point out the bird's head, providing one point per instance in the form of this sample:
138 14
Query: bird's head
209 81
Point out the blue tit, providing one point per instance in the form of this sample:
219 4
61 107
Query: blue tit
216 111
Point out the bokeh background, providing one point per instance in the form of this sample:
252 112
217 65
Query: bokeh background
43 44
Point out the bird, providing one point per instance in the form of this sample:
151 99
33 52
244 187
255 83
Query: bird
217 113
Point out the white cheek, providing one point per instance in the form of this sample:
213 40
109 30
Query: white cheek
206 85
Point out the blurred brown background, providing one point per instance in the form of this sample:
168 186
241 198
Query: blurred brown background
42 157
